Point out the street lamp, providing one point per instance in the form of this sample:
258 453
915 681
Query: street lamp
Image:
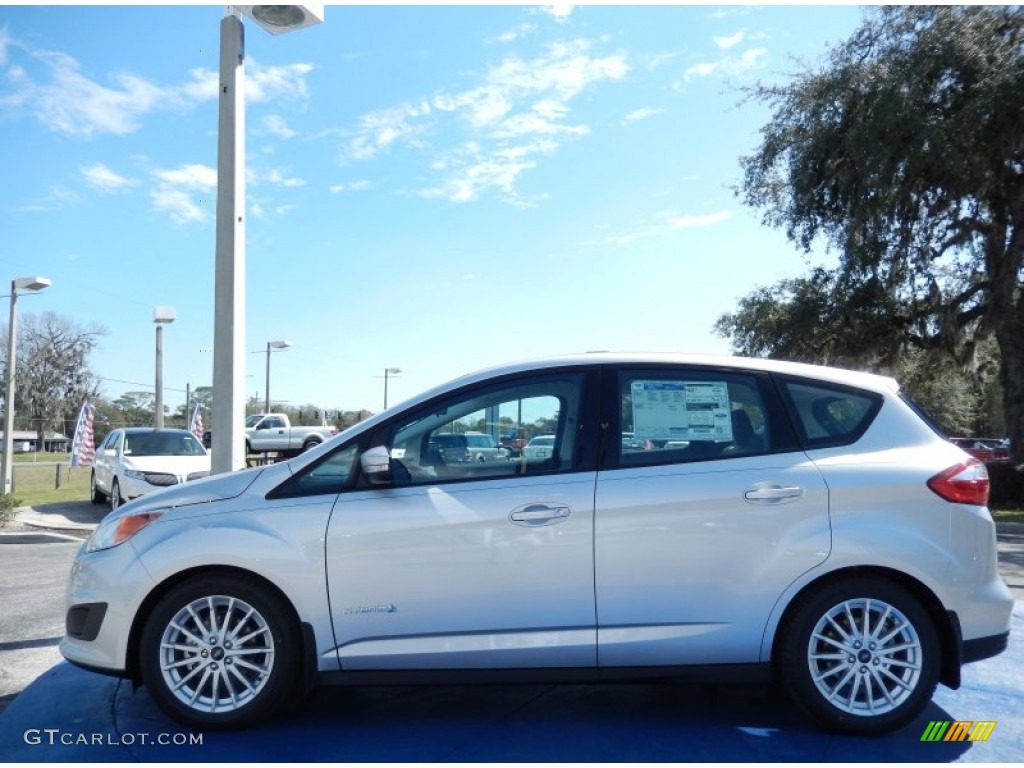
161 316
387 371
273 345
229 274
25 285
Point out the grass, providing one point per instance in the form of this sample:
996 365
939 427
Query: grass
1008 515
36 458
37 484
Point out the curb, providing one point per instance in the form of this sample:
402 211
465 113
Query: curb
29 537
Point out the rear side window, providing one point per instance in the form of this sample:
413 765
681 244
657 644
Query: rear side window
671 417
830 414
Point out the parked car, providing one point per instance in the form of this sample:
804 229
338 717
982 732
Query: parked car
808 525
983 449
273 432
134 461
540 447
469 446
514 441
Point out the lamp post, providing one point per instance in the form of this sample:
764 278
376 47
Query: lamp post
229 273
391 371
161 316
26 285
273 345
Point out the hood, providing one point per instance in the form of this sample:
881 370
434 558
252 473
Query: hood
216 488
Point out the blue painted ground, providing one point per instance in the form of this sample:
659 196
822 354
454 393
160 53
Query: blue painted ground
100 719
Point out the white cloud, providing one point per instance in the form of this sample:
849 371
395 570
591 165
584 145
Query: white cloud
558 11
5 43
729 42
705 220
67 101
102 178
520 109
185 193
351 186
59 197
641 114
519 30
729 66
278 178
276 126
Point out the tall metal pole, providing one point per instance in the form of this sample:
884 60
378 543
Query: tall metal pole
229 287
12 342
158 420
267 409
385 389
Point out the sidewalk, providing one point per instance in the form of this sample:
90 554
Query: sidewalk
78 516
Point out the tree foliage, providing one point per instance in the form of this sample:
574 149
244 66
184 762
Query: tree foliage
904 151
53 377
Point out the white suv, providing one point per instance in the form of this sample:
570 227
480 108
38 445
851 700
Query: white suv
782 521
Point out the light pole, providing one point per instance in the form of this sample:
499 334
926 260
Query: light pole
26 285
392 371
273 345
229 273
161 316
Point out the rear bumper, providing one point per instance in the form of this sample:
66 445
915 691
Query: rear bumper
985 647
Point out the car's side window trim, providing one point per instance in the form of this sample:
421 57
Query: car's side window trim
584 458
831 441
784 439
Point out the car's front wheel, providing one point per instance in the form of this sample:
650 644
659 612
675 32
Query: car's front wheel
219 651
861 655
116 500
95 494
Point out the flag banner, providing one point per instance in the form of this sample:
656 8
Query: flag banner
83 448
196 427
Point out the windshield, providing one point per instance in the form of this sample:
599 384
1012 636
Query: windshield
250 421
162 444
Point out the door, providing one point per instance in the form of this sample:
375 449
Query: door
460 564
705 514
104 465
269 435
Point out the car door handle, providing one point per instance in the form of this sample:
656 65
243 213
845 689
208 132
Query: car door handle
770 492
539 514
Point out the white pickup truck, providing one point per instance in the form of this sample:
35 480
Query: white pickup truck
266 432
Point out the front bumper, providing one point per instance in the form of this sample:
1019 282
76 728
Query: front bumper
104 593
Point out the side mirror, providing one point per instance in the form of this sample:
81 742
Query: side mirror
376 465
109 452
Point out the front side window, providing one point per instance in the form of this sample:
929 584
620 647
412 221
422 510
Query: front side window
669 417
458 439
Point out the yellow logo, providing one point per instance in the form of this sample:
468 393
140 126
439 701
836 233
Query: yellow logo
958 730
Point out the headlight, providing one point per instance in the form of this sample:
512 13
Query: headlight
135 474
120 529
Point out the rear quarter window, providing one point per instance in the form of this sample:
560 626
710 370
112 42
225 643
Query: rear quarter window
830 414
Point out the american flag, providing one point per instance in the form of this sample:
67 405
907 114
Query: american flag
196 427
83 449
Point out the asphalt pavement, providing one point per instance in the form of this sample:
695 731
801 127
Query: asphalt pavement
68 714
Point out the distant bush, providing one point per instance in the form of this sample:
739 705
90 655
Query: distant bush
1007 485
8 507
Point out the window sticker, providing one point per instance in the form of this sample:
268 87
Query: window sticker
681 410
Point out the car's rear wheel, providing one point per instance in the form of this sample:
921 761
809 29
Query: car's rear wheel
96 495
309 445
115 495
861 655
219 651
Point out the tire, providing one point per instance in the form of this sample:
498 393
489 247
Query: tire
115 495
95 494
309 445
853 681
190 667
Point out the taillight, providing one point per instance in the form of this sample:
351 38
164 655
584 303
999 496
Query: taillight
964 483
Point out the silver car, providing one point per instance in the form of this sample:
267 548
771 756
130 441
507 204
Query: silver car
787 522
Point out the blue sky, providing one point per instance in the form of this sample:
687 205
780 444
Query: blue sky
433 188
